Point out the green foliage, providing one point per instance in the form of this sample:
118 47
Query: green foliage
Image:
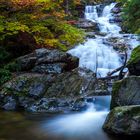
12 67
5 75
4 56
135 56
132 15
45 20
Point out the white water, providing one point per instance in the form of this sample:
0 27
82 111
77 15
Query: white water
94 54
80 126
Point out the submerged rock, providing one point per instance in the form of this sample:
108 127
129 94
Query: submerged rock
123 120
126 92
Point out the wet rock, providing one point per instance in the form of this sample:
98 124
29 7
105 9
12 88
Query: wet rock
45 105
90 34
126 92
50 68
117 43
26 62
123 120
80 105
115 20
47 61
71 84
118 5
134 62
116 10
88 25
10 103
37 90
24 102
39 106
52 93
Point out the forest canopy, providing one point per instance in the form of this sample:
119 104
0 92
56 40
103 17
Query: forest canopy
131 15
45 20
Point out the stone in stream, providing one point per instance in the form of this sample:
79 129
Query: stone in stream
123 120
126 92
88 25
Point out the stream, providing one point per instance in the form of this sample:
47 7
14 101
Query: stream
95 55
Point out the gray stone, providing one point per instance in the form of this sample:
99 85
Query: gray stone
126 92
123 120
37 90
50 68
26 62
10 103
45 60
88 25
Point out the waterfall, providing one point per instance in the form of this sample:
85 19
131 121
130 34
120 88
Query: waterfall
94 54
91 12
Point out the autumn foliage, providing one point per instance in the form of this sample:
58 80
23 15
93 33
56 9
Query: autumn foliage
45 20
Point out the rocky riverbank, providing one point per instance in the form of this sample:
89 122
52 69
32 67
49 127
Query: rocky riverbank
50 81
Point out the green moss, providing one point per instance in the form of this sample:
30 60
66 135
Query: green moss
5 75
12 66
116 87
135 56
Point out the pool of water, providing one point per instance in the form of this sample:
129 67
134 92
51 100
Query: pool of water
85 125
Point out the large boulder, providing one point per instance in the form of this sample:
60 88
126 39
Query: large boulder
126 92
123 120
134 62
47 61
51 92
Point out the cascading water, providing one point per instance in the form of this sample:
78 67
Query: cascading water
91 12
94 54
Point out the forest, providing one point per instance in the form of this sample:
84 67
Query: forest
80 58
47 27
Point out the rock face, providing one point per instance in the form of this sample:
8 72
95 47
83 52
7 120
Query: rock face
50 92
123 120
126 92
47 61
134 62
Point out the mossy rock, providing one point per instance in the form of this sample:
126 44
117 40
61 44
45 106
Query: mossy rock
135 56
134 62
126 92
116 88
123 120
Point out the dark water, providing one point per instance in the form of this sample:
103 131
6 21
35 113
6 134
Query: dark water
73 126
